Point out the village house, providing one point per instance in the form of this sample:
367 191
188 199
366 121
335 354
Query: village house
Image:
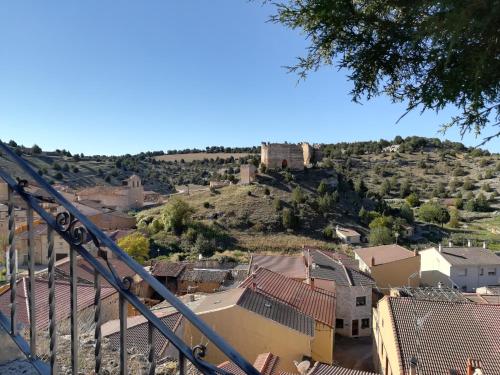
352 288
40 245
85 303
168 274
202 280
347 235
289 266
268 325
429 337
389 265
128 196
465 268
315 302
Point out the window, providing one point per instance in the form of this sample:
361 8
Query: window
492 272
481 272
360 301
464 288
365 323
339 323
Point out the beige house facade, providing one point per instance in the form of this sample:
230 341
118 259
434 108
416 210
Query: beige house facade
463 268
262 330
390 266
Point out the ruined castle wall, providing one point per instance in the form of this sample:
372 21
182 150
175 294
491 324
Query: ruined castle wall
277 155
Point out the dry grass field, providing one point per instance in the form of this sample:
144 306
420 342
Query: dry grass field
201 156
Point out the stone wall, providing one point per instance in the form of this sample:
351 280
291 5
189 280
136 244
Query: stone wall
282 155
247 173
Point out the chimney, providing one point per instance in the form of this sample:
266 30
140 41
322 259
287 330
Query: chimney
373 261
484 244
474 367
254 283
469 243
312 283
413 366
415 252
450 244
440 248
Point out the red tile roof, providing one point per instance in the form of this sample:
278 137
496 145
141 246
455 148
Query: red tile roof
137 332
322 369
86 271
290 266
314 302
449 333
265 363
85 299
167 269
383 254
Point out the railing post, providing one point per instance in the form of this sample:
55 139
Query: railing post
31 282
123 335
12 261
74 311
52 300
151 350
182 364
97 321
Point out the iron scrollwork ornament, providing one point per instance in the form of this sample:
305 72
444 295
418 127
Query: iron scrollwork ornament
68 224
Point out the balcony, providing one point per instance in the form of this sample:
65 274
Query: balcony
55 345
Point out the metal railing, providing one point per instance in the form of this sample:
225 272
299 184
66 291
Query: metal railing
78 231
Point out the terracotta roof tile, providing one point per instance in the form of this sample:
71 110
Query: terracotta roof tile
167 269
205 275
316 303
86 271
322 369
265 363
137 334
325 268
85 293
290 266
449 334
277 311
383 254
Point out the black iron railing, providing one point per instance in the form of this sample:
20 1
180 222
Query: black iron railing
78 231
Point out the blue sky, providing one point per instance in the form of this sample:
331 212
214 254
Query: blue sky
115 77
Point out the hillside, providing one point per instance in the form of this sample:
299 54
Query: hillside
78 171
285 210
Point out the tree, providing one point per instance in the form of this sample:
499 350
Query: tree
176 215
432 212
36 149
428 54
289 219
406 213
298 195
405 189
322 188
413 200
454 218
380 236
136 245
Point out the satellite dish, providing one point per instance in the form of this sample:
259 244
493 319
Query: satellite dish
478 371
302 367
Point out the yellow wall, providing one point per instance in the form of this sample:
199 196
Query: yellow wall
396 273
322 344
386 353
250 334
